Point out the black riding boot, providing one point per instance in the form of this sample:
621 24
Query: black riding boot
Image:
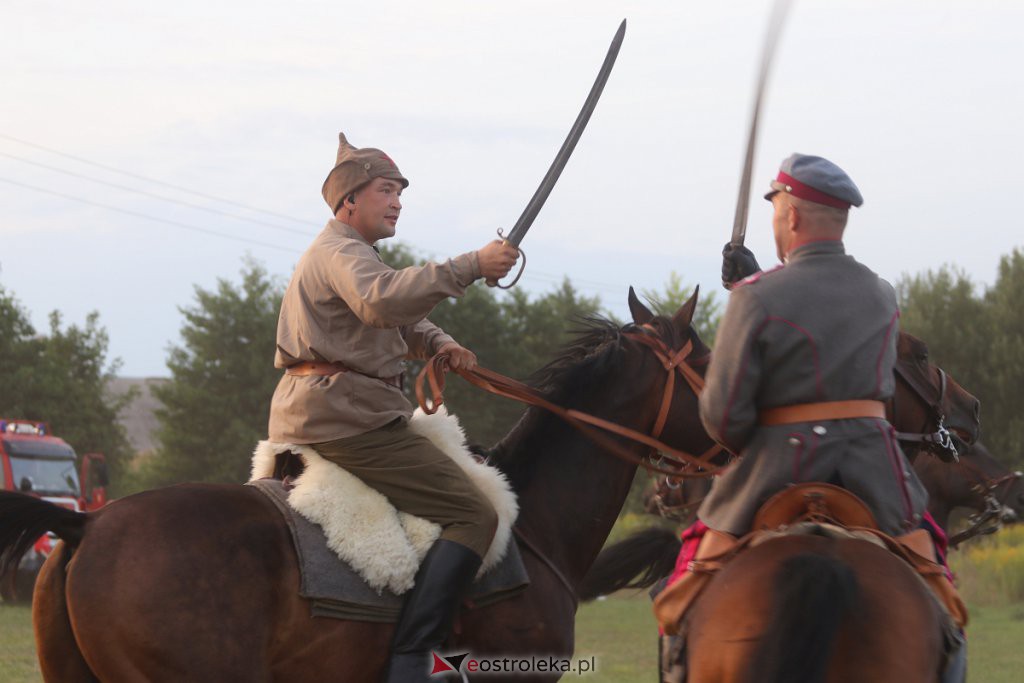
955 670
443 578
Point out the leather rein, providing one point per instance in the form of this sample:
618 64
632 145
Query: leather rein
594 428
989 519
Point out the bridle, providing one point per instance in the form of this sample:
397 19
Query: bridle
939 442
597 429
679 512
989 519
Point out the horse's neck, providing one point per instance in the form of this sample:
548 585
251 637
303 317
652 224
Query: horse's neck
574 495
950 496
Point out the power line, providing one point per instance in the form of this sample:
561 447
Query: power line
148 217
138 176
550 277
154 195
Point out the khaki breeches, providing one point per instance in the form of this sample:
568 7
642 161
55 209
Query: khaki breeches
417 478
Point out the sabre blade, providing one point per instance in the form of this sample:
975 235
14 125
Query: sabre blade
778 16
515 236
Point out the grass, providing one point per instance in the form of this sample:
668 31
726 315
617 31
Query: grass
620 633
18 663
991 569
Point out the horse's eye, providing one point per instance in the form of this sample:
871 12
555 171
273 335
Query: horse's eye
923 357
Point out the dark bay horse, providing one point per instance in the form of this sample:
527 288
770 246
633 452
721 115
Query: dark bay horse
928 409
200 582
978 482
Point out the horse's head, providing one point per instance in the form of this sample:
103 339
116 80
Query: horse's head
610 385
671 355
987 477
978 482
930 409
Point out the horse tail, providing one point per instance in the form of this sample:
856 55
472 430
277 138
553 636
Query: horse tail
813 595
637 562
26 518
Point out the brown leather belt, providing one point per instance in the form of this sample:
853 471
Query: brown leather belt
817 412
326 369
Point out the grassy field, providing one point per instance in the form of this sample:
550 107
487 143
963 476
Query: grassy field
619 632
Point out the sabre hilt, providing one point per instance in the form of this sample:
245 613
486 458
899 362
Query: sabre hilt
504 241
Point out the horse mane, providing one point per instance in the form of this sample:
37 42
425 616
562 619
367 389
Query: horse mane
594 341
581 365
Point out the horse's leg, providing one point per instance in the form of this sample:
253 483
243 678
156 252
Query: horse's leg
59 657
540 621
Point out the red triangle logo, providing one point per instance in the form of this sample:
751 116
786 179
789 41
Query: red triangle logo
440 665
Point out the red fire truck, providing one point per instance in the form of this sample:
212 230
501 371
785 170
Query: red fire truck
34 462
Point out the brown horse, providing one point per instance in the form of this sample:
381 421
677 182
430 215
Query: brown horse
814 609
978 482
200 582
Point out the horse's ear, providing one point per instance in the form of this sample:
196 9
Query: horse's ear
684 316
641 314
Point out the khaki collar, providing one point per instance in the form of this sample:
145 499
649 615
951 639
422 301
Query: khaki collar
345 230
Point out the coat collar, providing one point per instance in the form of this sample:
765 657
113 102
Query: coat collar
345 230
817 248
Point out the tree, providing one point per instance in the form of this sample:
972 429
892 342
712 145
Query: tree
1004 390
216 405
63 379
977 339
511 334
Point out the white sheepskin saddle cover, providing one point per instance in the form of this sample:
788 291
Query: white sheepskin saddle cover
384 546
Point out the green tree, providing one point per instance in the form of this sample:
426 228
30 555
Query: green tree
977 339
216 405
1003 393
62 378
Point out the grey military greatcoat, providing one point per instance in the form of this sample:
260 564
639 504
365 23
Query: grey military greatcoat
821 328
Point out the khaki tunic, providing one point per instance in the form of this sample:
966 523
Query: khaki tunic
345 305
821 328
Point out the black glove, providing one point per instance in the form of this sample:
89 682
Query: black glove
738 262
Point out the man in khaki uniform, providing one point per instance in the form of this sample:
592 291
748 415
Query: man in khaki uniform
348 323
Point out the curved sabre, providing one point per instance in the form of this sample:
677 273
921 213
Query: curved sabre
515 236
778 16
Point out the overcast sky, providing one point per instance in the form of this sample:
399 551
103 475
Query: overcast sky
920 101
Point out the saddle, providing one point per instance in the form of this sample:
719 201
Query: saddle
355 550
809 508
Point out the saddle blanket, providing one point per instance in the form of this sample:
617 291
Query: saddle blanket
337 591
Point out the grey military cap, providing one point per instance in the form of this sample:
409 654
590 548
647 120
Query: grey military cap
816 180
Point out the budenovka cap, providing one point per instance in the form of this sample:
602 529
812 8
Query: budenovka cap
354 168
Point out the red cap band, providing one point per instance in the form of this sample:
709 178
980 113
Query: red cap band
798 189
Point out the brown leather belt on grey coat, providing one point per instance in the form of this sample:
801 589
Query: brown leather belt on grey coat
326 369
819 412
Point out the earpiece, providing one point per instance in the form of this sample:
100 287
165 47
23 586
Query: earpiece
352 198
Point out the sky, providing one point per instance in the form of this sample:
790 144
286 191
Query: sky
148 149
